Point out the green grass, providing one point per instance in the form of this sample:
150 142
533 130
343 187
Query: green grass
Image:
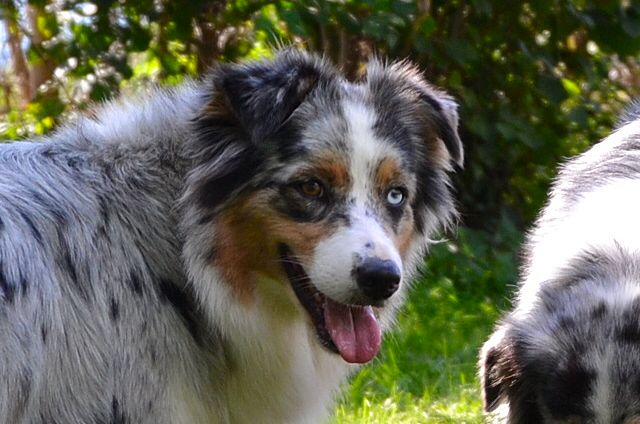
426 371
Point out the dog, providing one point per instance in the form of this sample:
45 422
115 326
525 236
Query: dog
569 351
227 251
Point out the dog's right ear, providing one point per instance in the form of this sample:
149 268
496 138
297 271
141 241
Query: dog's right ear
262 95
499 369
245 105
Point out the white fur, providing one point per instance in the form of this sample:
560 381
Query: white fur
332 269
601 219
274 348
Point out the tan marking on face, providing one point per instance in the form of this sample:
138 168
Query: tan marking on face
247 235
632 420
388 174
332 169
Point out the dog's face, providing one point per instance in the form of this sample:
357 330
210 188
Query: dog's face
323 190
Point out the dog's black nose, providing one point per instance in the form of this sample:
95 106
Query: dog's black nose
378 278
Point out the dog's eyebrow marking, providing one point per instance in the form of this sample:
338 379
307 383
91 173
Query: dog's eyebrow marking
387 172
334 169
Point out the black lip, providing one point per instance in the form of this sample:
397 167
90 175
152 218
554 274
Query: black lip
310 297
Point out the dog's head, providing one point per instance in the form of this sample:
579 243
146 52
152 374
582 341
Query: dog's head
573 355
323 192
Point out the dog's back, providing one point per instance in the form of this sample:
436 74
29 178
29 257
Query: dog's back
570 350
95 320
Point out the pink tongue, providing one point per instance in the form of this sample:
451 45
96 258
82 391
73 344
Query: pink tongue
354 330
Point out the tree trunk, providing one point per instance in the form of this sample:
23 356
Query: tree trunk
42 68
18 60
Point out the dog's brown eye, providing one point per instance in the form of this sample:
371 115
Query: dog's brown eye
312 188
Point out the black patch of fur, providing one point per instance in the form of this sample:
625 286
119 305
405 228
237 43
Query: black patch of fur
566 390
43 334
599 311
262 95
183 304
114 309
117 414
629 332
288 138
228 179
24 285
70 268
134 283
59 216
67 265
7 287
32 227
103 210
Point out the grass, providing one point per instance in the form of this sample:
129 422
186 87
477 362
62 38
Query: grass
426 371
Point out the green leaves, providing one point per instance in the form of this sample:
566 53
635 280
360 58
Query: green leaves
530 77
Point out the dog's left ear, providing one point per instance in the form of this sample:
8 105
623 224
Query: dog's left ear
443 114
436 111
262 95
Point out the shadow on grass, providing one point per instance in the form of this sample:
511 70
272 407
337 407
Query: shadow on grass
426 371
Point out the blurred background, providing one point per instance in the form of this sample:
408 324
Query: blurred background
537 82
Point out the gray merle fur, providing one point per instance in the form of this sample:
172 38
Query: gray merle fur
94 220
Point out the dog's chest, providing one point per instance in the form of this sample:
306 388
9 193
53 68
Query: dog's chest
286 377
282 376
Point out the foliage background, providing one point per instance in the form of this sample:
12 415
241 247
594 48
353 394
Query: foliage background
536 81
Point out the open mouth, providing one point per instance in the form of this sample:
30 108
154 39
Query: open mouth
352 331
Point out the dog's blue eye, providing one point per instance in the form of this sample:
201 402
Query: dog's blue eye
395 196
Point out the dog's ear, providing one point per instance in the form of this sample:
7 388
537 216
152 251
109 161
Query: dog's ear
498 368
443 114
435 110
262 95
